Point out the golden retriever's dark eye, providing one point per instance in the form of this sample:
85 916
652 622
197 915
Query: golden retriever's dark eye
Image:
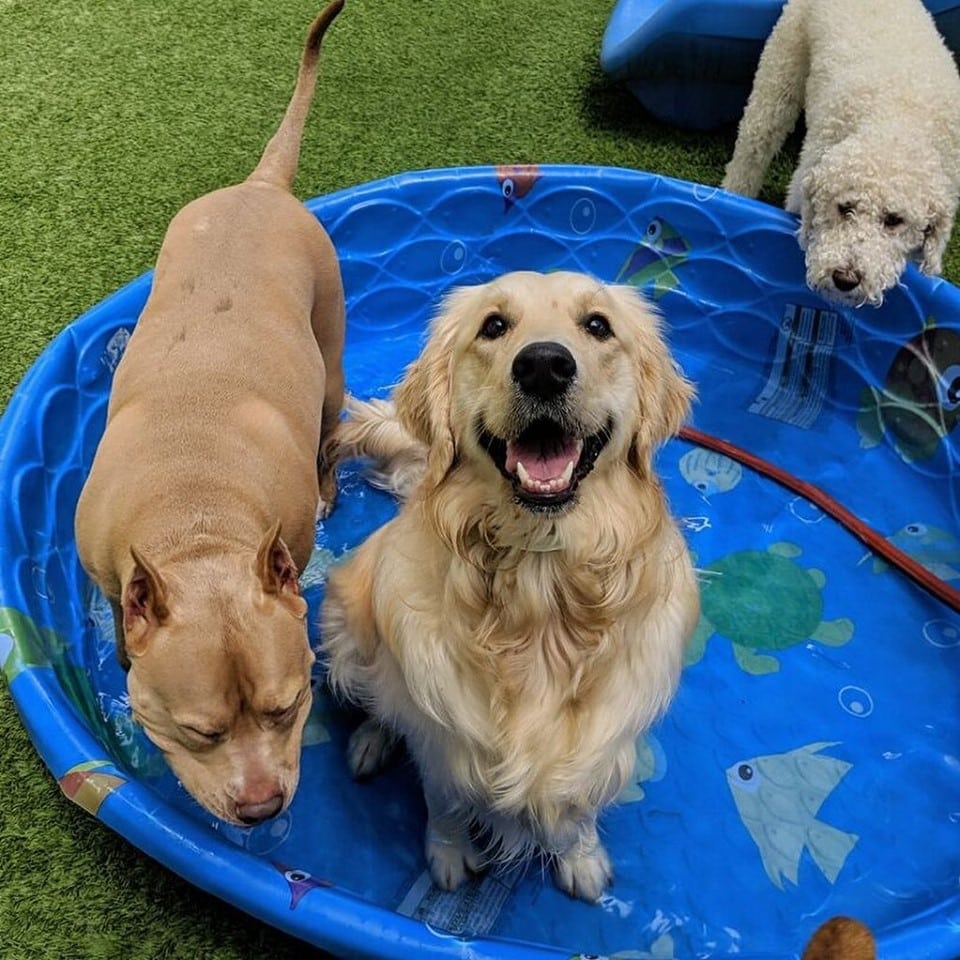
598 326
846 209
493 327
892 220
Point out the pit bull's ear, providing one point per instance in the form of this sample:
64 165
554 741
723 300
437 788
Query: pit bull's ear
423 397
144 604
665 406
278 573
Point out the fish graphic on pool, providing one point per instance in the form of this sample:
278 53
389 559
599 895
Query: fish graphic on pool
778 798
653 261
516 181
709 472
933 548
300 882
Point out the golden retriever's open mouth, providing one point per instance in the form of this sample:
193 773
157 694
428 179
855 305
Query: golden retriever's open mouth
545 462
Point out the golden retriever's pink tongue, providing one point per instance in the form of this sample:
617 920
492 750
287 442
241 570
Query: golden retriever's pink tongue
542 474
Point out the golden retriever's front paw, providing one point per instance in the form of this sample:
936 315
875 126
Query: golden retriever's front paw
584 874
370 748
451 859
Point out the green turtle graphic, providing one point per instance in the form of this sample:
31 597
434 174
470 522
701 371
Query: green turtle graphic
763 600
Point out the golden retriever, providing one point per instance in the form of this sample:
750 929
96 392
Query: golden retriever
523 618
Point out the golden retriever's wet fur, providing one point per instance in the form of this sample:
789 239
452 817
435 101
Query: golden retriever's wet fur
519 626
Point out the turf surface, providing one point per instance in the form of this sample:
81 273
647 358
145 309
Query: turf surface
115 113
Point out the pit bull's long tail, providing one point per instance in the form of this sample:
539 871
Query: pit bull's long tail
278 165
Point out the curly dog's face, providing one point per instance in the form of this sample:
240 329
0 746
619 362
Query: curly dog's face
860 227
546 378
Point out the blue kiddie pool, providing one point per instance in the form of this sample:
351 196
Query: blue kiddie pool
810 765
691 62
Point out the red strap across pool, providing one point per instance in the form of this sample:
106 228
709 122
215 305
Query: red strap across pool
875 541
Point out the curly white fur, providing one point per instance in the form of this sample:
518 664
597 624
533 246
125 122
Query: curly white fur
878 177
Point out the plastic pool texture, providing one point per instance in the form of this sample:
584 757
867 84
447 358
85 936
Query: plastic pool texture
691 62
809 766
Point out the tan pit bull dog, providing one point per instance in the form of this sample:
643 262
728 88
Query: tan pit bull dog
215 444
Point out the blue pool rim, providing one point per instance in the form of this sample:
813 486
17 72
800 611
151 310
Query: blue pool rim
348 924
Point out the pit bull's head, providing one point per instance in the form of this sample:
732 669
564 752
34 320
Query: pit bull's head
219 673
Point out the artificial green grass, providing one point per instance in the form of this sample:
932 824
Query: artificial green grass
113 114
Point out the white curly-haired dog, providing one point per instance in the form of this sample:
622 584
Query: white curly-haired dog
879 172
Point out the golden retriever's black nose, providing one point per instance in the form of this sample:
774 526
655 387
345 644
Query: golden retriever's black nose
846 280
544 369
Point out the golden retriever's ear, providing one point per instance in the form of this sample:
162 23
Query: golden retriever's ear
423 397
664 394
665 399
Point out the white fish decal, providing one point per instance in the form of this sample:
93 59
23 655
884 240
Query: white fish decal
709 472
778 797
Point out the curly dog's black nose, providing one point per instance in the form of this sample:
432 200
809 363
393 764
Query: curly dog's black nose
846 279
544 369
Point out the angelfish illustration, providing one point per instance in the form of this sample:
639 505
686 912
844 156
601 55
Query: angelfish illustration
300 882
516 181
654 259
778 797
